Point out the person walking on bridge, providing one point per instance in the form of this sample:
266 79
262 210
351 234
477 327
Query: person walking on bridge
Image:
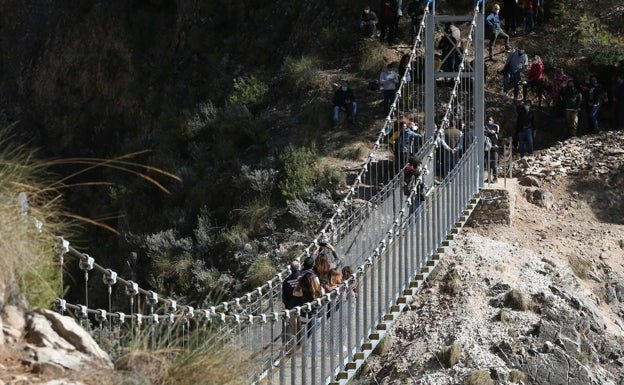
290 301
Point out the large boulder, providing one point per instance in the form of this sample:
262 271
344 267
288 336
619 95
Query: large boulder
59 340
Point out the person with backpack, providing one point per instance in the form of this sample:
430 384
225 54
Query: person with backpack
493 23
525 127
491 144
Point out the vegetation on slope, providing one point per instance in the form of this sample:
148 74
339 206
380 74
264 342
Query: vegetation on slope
230 96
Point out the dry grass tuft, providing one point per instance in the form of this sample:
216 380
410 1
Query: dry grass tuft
517 376
452 282
29 220
31 216
450 355
579 266
479 377
516 300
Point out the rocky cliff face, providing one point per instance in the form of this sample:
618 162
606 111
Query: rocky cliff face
537 302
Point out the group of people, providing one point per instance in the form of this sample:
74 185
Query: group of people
387 18
311 281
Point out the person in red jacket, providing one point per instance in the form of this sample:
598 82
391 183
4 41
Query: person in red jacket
535 80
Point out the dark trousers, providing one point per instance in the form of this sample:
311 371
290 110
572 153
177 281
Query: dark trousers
494 35
389 96
387 25
537 86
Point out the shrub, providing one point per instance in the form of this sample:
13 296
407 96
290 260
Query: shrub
235 237
371 60
172 261
450 355
255 215
205 232
300 171
354 151
248 91
259 180
260 271
302 74
502 316
332 179
479 377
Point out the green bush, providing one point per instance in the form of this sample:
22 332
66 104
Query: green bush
599 44
332 179
250 92
300 171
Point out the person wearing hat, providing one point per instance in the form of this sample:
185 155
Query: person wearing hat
344 101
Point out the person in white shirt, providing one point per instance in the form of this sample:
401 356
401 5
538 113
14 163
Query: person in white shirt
389 81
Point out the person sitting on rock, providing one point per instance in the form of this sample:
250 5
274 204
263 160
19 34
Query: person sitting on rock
344 101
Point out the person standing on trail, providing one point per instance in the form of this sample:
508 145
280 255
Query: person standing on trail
525 127
517 61
528 17
493 23
509 15
572 102
388 11
491 131
535 80
595 98
389 81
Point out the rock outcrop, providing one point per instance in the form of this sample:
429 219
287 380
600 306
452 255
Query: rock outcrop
49 344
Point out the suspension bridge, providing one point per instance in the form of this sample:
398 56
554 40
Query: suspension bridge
391 238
